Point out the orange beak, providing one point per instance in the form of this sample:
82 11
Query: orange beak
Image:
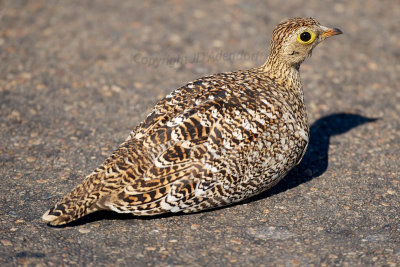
331 32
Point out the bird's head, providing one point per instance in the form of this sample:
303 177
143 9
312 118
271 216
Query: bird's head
294 39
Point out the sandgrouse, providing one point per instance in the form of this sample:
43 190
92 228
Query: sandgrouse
215 141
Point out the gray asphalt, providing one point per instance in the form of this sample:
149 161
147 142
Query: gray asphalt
76 76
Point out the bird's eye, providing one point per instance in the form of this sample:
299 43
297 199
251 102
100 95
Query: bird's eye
306 37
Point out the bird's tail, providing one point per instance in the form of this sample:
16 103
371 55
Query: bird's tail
79 202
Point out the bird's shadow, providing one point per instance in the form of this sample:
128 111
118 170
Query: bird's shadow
314 163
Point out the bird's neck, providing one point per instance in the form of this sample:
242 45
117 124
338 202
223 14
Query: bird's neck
282 73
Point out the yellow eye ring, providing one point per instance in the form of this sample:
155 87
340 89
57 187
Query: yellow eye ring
306 37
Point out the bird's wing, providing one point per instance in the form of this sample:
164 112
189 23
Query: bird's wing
179 160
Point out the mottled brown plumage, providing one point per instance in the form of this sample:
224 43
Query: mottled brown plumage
215 141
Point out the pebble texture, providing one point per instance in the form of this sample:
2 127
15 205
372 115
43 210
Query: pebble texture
76 76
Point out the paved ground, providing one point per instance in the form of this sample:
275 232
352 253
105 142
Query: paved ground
75 76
